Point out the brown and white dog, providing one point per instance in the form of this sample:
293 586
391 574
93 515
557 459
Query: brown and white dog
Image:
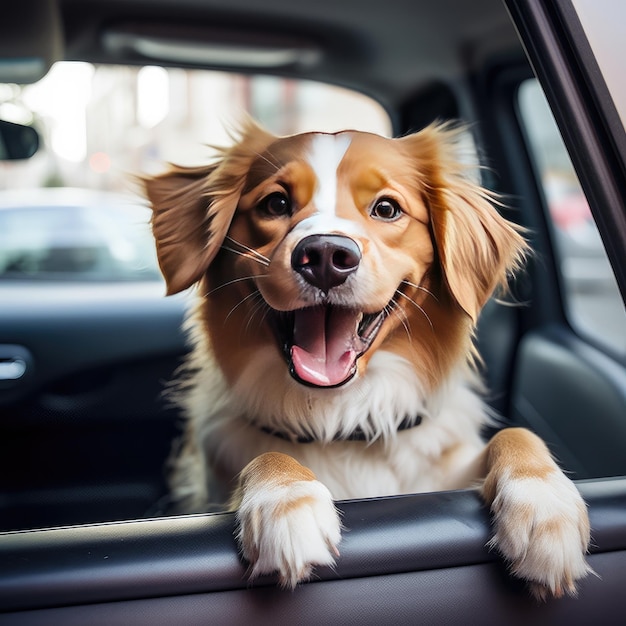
339 277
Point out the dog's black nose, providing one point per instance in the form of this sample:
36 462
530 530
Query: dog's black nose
325 261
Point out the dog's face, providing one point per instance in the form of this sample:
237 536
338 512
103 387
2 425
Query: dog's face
344 241
325 247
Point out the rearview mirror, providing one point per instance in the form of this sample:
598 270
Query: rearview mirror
17 141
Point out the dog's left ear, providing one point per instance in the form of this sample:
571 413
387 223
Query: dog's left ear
181 224
477 247
192 208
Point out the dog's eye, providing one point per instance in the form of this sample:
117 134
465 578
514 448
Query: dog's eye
276 205
386 209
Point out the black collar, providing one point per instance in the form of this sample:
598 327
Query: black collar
355 435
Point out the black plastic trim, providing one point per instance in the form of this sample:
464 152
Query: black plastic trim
477 594
197 554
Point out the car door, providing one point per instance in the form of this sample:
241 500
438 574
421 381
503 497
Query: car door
417 558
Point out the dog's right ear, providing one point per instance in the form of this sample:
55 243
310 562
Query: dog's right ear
180 224
192 208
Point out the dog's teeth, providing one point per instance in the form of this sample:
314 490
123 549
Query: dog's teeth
359 319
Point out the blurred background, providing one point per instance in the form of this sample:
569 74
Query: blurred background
102 124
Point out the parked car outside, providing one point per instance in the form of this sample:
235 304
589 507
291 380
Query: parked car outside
58 234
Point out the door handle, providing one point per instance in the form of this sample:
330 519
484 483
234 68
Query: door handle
12 368
16 368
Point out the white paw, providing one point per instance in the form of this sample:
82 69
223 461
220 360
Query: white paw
542 531
288 529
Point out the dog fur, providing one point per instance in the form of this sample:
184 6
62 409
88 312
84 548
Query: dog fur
280 423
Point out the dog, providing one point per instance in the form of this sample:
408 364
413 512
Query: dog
339 278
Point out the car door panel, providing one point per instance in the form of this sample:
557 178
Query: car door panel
69 330
85 433
406 557
443 596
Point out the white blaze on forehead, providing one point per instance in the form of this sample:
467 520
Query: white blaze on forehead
325 155
321 223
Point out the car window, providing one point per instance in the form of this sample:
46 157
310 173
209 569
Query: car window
72 212
604 27
590 292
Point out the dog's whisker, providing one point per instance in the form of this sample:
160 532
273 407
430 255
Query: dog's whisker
246 248
246 255
261 305
393 307
236 280
419 308
255 293
276 166
245 251
421 288
267 309
249 253
260 308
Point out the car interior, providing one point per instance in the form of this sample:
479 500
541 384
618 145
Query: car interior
86 428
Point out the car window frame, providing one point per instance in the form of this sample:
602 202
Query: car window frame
564 63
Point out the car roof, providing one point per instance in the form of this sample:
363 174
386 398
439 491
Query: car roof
387 49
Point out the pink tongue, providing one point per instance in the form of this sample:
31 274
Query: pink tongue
323 351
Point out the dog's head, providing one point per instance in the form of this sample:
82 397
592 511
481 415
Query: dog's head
325 247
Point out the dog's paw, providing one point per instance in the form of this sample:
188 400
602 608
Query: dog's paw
288 529
542 531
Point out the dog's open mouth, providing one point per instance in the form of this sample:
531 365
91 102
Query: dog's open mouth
323 343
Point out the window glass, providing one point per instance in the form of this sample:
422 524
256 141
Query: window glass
69 213
591 294
603 23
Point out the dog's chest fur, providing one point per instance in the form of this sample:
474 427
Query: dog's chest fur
229 426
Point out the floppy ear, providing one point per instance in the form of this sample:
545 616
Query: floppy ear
477 247
181 225
192 208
